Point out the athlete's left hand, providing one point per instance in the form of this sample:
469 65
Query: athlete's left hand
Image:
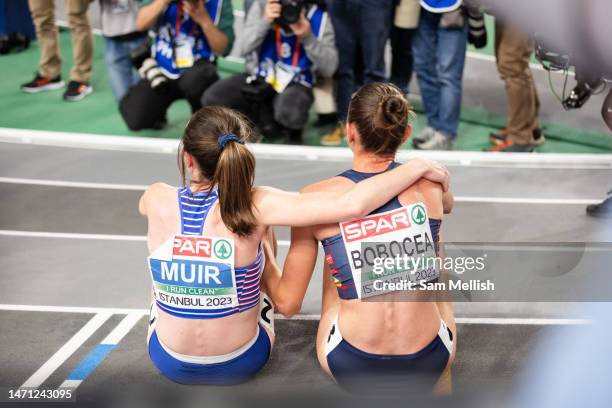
301 28
195 9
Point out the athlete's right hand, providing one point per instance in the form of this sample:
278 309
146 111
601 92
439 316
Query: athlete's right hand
272 10
436 172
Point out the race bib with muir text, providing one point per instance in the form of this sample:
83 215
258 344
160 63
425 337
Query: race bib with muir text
194 274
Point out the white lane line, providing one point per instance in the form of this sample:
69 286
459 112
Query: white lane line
101 237
458 199
123 328
519 200
520 321
140 144
75 184
101 351
69 235
305 316
66 350
72 309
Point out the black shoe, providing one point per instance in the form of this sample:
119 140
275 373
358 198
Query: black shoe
324 119
5 45
501 137
603 209
510 147
288 136
77 91
40 83
18 42
578 96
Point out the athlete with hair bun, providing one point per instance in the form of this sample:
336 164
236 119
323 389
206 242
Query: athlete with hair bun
208 323
369 338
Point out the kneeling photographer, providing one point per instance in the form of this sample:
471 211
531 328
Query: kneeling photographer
189 35
285 43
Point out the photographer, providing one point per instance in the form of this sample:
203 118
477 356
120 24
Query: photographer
121 38
189 35
285 43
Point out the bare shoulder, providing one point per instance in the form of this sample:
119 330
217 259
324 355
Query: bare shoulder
429 193
157 196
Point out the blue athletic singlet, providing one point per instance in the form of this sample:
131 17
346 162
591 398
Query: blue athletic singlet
194 209
165 42
287 44
335 252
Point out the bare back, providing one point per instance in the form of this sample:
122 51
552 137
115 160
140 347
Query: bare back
407 326
199 337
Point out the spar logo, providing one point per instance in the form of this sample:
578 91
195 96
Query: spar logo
192 246
223 249
418 214
375 225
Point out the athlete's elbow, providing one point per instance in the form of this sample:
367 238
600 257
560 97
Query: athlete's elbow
355 209
287 307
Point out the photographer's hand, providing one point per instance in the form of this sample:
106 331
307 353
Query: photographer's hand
216 38
272 10
197 12
147 16
302 27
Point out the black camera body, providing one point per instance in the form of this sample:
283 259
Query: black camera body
290 11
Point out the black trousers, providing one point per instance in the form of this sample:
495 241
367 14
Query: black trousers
401 61
290 108
144 107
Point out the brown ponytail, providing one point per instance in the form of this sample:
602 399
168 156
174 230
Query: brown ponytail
231 167
381 114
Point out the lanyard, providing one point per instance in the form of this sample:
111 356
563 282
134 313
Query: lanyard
279 48
179 18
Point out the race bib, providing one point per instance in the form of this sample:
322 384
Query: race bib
394 246
280 77
194 273
183 54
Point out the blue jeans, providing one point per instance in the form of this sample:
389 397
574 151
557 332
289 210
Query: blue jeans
439 57
362 29
121 72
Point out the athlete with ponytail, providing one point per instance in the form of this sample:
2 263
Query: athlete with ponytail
370 340
209 324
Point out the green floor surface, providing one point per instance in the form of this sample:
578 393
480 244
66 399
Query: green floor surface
98 113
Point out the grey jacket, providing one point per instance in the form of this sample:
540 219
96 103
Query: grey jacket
118 17
321 51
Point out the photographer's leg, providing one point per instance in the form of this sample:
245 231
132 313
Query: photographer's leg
513 54
344 27
606 110
82 40
43 15
375 22
195 80
143 107
227 92
291 107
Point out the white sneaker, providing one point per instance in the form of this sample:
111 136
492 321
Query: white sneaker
424 136
439 141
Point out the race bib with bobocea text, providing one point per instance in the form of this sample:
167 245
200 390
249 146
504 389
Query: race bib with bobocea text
392 246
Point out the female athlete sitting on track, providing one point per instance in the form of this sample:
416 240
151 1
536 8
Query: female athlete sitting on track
388 340
206 253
